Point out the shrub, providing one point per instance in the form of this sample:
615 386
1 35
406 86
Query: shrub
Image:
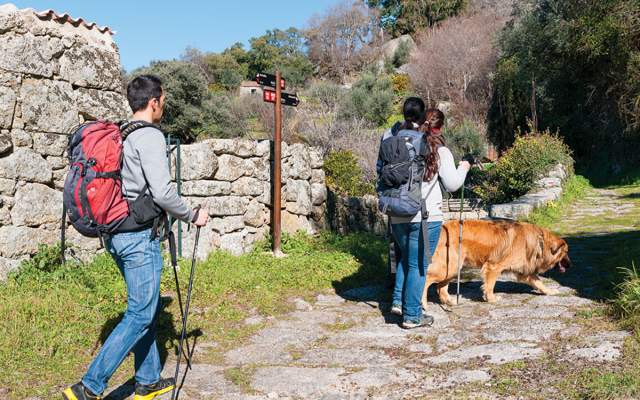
402 54
465 138
344 175
516 172
371 98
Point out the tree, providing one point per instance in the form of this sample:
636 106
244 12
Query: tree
343 40
455 63
400 17
371 98
284 50
185 87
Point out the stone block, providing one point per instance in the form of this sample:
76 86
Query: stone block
257 215
7 266
8 98
36 204
228 224
263 148
230 168
233 243
262 168
205 188
16 241
198 161
99 104
228 205
298 197
292 223
7 186
298 165
318 176
57 162
48 106
27 165
29 54
247 186
318 193
237 147
51 144
92 67
6 144
21 138
315 158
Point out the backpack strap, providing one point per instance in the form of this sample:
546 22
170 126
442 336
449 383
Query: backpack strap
128 127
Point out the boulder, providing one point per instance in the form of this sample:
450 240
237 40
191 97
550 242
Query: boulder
318 193
257 215
36 204
8 99
205 188
92 67
27 165
48 106
198 161
29 54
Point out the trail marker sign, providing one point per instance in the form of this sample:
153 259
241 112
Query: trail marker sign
286 99
269 80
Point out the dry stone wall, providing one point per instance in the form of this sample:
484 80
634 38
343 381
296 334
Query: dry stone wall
232 179
55 75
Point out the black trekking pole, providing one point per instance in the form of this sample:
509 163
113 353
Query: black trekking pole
460 222
174 264
174 395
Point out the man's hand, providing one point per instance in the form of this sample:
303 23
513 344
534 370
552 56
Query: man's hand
202 218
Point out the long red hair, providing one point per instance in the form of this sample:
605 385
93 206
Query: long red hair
434 139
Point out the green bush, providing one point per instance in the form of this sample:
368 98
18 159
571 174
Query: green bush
344 175
402 54
516 172
371 98
465 138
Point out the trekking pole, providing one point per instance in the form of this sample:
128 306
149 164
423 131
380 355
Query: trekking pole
174 264
460 222
174 395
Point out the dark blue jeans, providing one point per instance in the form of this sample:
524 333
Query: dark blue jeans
411 271
140 262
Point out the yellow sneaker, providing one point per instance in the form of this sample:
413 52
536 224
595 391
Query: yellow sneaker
148 392
78 392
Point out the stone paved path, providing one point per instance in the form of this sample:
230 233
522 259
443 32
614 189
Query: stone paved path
348 346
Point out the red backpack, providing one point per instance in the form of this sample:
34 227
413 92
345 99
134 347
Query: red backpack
92 197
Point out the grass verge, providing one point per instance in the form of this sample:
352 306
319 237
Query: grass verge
54 318
575 188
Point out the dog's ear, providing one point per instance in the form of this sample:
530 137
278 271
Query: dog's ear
556 245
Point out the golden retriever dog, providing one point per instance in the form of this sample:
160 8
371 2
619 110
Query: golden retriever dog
496 247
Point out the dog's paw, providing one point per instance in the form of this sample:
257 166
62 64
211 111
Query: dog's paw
492 298
447 302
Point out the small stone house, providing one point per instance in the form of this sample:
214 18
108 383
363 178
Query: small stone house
250 88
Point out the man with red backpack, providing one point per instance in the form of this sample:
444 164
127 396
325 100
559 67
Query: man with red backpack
134 241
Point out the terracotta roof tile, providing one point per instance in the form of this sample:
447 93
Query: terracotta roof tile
66 18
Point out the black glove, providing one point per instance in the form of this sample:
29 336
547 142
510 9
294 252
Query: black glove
470 158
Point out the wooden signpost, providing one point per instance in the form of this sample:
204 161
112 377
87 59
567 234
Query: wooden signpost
274 95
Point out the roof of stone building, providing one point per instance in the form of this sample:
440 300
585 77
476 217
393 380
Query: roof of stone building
66 18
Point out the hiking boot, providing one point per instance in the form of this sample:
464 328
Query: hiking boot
396 309
148 392
79 392
426 320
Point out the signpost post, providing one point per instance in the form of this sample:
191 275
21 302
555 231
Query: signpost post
278 98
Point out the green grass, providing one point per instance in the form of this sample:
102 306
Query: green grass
54 318
575 188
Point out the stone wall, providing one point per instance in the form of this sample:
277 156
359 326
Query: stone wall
53 76
232 178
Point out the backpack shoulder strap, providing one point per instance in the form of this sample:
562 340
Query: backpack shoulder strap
128 127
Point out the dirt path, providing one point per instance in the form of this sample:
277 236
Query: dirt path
348 346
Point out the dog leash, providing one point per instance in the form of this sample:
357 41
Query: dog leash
460 222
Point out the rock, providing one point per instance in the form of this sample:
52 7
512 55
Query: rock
57 162
247 186
263 148
209 241
302 305
224 206
525 311
324 300
463 376
318 193
548 182
317 176
298 197
36 204
50 143
99 104
8 99
315 158
6 267
603 352
357 357
306 383
199 161
298 166
6 144
205 188
30 54
262 168
91 67
7 186
495 353
228 224
27 165
423 348
232 243
523 329
16 241
21 138
237 147
565 301
513 210
230 168
48 106
292 223
254 320
256 215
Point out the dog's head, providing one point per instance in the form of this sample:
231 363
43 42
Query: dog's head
556 252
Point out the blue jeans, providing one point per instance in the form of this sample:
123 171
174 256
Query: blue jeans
411 271
140 262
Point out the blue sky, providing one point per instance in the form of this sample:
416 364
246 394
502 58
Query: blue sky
162 29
